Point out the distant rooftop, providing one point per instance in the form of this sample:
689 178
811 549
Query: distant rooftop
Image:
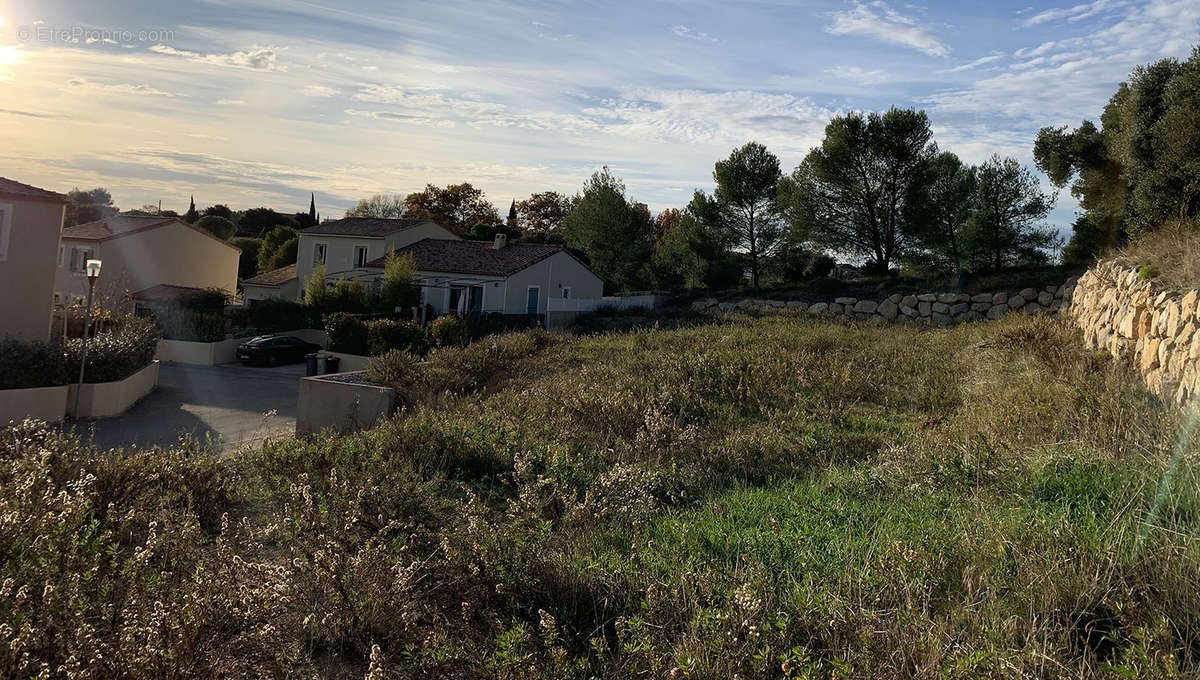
119 225
473 257
371 227
14 189
275 277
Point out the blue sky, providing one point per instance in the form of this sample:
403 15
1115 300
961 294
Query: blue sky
259 102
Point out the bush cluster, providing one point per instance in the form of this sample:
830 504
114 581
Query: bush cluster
389 334
191 325
115 353
275 315
449 331
346 332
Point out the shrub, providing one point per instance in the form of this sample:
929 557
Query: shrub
346 333
178 323
30 364
218 226
115 354
393 368
209 300
449 331
388 334
819 266
274 315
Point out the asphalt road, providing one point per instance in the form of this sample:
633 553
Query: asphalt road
234 405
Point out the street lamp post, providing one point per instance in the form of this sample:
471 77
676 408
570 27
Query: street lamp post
93 273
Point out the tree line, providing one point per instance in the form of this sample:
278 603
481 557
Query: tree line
1140 167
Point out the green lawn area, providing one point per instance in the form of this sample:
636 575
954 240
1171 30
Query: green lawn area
756 498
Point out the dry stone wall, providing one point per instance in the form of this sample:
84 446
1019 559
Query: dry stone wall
1133 319
936 309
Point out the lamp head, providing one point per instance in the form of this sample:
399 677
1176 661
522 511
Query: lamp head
93 269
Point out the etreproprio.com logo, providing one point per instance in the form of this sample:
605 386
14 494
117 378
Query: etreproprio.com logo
83 34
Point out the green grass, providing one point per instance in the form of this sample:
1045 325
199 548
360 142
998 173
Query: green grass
774 497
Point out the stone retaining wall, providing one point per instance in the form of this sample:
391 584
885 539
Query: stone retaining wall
1133 319
928 308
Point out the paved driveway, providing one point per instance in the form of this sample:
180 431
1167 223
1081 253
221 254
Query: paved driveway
230 402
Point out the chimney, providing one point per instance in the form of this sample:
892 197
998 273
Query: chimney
500 242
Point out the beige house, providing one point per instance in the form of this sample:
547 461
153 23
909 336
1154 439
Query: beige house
483 277
147 258
30 226
345 246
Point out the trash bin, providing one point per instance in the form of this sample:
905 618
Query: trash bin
331 365
310 364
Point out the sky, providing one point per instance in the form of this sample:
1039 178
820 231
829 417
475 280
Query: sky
260 102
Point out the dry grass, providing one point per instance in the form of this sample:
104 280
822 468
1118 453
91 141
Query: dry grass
763 498
1170 255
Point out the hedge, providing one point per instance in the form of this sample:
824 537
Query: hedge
113 354
388 334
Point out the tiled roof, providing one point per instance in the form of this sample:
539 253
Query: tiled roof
112 226
14 189
376 227
473 257
275 277
164 292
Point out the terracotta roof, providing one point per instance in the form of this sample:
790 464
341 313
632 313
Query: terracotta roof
114 226
473 257
371 227
275 277
163 292
14 189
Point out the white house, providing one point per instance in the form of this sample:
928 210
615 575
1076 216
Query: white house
466 277
31 222
345 246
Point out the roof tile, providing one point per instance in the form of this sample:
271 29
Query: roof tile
473 257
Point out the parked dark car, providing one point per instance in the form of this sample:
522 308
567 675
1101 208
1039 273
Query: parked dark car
274 350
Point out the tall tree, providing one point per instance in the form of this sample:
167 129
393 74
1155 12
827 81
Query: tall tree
850 194
88 206
1006 228
248 261
219 210
191 215
257 222
312 207
747 202
388 206
690 250
543 213
217 226
1099 182
513 223
272 243
458 207
941 210
611 233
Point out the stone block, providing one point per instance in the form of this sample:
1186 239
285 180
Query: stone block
1016 301
888 309
865 307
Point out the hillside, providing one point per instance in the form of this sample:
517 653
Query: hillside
759 498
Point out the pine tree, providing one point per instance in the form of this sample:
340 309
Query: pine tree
191 215
512 215
312 207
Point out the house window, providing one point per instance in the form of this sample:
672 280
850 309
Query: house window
318 253
79 258
566 292
62 255
531 300
6 211
360 256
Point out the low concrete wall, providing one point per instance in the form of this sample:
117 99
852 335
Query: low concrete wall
223 351
107 399
349 362
43 403
323 404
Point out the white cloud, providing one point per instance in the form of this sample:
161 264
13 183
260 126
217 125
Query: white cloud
877 20
972 64
858 74
682 31
256 58
319 91
1076 13
121 88
230 102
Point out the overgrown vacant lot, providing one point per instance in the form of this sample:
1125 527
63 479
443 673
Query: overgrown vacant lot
777 497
